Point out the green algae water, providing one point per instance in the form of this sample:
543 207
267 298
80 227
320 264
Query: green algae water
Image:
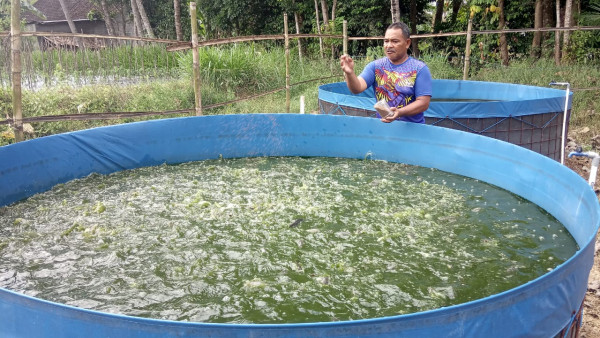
275 240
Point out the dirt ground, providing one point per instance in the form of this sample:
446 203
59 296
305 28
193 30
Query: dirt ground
591 306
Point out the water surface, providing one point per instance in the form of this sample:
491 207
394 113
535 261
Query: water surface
275 240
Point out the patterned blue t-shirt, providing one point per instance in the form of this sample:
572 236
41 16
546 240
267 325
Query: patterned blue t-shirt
399 84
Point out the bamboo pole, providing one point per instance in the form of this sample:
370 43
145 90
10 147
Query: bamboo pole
196 60
178 45
215 42
557 55
468 50
287 63
97 36
345 34
121 115
17 99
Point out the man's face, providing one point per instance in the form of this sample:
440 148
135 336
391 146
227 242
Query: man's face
395 46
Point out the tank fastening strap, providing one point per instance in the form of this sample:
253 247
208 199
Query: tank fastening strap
337 107
572 328
494 124
480 131
467 127
533 125
331 112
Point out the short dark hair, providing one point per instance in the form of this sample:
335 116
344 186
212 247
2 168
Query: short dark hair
402 26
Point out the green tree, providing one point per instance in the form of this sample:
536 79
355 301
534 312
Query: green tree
26 5
161 14
145 20
591 14
107 7
374 16
585 45
437 18
70 22
395 10
177 19
241 17
536 45
137 19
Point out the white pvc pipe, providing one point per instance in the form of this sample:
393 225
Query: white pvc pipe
564 130
564 127
302 104
594 170
594 167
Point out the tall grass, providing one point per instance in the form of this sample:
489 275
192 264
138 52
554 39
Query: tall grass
246 69
241 70
114 62
238 67
60 100
440 68
583 78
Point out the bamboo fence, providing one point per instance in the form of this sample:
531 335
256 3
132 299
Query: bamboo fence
194 44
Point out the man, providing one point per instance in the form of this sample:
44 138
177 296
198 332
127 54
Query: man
403 81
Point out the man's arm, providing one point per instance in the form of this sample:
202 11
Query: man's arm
420 105
423 90
356 84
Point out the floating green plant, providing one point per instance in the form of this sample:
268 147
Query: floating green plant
272 240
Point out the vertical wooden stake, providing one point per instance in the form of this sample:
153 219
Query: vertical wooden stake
196 60
345 32
17 99
557 49
287 63
468 50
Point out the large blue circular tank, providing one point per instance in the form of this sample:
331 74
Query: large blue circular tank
528 116
543 307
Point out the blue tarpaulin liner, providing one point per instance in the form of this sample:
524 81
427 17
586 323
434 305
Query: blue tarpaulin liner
540 308
535 118
495 99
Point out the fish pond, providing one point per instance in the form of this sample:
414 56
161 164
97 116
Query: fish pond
275 240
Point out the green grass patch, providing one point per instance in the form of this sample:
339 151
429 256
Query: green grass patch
239 71
582 77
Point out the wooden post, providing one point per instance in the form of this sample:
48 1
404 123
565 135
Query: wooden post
468 50
557 55
345 33
196 60
287 63
17 99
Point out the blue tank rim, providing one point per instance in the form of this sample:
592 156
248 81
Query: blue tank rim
321 126
500 99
